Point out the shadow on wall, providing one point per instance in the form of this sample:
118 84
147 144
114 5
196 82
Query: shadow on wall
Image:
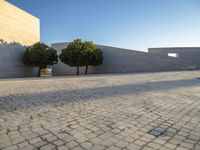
11 61
61 97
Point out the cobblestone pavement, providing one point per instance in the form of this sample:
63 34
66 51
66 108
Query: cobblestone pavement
113 112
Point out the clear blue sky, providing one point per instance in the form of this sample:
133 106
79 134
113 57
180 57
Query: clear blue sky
134 24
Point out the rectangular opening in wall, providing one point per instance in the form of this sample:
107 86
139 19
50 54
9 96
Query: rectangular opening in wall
173 55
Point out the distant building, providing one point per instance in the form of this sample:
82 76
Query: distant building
17 25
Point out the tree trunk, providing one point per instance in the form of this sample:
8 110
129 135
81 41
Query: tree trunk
77 72
86 70
38 74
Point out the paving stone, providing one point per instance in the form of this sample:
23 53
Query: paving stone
40 144
181 148
78 148
18 140
159 141
154 145
29 147
107 143
171 146
97 147
23 144
63 147
197 147
4 144
72 144
86 145
121 144
51 138
187 145
113 148
126 111
13 147
133 147
58 142
47 147
35 140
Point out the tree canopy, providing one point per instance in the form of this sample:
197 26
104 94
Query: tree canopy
40 55
81 53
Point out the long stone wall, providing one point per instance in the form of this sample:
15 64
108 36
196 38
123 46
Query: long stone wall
17 25
11 62
186 55
117 60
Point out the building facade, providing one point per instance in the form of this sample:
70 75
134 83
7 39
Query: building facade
18 29
17 25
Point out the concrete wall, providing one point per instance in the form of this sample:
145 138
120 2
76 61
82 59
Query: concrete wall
117 60
186 55
18 26
60 68
11 64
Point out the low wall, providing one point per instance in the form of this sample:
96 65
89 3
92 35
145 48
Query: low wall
117 60
11 64
186 55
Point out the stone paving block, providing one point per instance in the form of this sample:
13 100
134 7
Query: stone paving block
142 111
97 147
171 146
154 145
40 144
47 147
35 140
107 143
113 148
13 147
78 148
132 146
72 144
29 147
121 144
86 145
5 144
58 142
63 147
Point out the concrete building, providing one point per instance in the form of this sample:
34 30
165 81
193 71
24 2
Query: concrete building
18 29
17 25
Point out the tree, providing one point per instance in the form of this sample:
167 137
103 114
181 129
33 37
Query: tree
97 57
40 55
89 49
81 53
94 57
73 55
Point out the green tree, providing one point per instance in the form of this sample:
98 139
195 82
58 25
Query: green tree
97 57
81 53
93 56
73 55
40 55
89 49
